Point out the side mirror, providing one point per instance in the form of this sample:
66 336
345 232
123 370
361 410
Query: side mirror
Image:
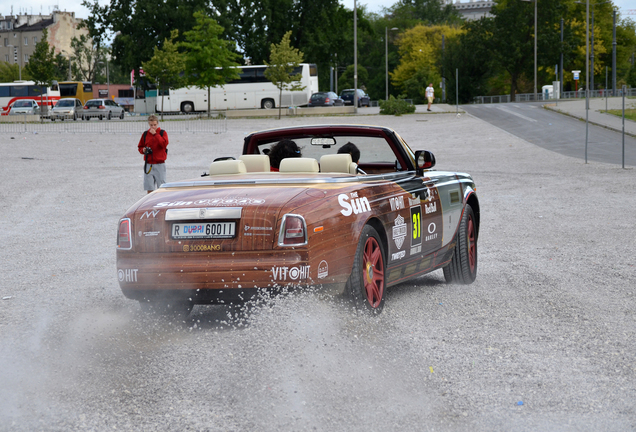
424 160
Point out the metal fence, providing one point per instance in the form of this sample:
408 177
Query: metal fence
529 97
194 123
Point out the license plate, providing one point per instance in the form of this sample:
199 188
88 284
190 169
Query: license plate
208 230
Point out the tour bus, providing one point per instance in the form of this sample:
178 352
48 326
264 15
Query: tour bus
13 91
76 89
250 90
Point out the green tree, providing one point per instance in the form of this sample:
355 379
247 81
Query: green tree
409 13
86 55
209 60
140 26
345 81
41 65
420 51
282 61
10 72
166 66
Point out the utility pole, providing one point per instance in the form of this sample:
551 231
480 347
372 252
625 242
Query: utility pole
614 57
561 65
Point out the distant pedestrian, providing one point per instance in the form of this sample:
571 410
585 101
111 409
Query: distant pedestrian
430 95
154 146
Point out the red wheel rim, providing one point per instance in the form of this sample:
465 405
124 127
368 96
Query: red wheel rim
472 246
373 268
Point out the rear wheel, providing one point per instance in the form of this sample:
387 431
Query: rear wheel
463 267
121 116
187 107
366 285
268 104
109 116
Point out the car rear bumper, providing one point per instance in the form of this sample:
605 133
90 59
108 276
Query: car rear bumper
214 277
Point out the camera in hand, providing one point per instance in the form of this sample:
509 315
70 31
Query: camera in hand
147 150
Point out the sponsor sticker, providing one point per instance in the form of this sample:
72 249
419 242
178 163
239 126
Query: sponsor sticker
290 273
432 234
416 226
430 208
351 204
127 275
399 231
201 248
398 255
150 214
219 202
397 203
253 228
323 269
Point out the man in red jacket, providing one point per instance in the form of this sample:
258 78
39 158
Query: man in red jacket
154 146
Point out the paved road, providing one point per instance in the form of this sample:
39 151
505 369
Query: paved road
543 340
556 132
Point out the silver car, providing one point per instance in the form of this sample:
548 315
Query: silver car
102 108
67 108
24 106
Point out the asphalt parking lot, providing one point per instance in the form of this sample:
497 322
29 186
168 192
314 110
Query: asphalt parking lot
543 340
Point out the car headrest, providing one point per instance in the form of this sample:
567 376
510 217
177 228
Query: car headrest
227 167
336 163
256 162
307 165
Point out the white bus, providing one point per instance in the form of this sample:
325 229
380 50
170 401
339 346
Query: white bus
13 91
250 90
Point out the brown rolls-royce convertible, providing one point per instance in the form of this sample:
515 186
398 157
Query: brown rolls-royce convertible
319 218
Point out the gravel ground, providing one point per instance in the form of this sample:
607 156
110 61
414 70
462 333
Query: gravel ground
543 340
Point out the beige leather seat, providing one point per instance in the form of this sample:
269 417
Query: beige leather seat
227 167
305 165
338 163
256 162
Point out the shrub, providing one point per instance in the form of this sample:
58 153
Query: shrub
395 106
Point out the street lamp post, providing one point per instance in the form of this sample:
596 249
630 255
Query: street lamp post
107 76
69 64
355 57
386 50
592 53
535 46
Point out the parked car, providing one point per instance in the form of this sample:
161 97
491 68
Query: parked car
320 221
102 108
67 108
363 98
24 106
325 99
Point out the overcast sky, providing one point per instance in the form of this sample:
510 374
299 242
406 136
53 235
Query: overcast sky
45 6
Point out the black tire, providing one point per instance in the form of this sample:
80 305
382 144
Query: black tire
187 107
101 117
366 286
463 267
121 116
74 116
268 104
109 116
179 309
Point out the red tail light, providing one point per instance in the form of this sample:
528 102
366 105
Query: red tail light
327 100
124 238
86 107
101 107
293 231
